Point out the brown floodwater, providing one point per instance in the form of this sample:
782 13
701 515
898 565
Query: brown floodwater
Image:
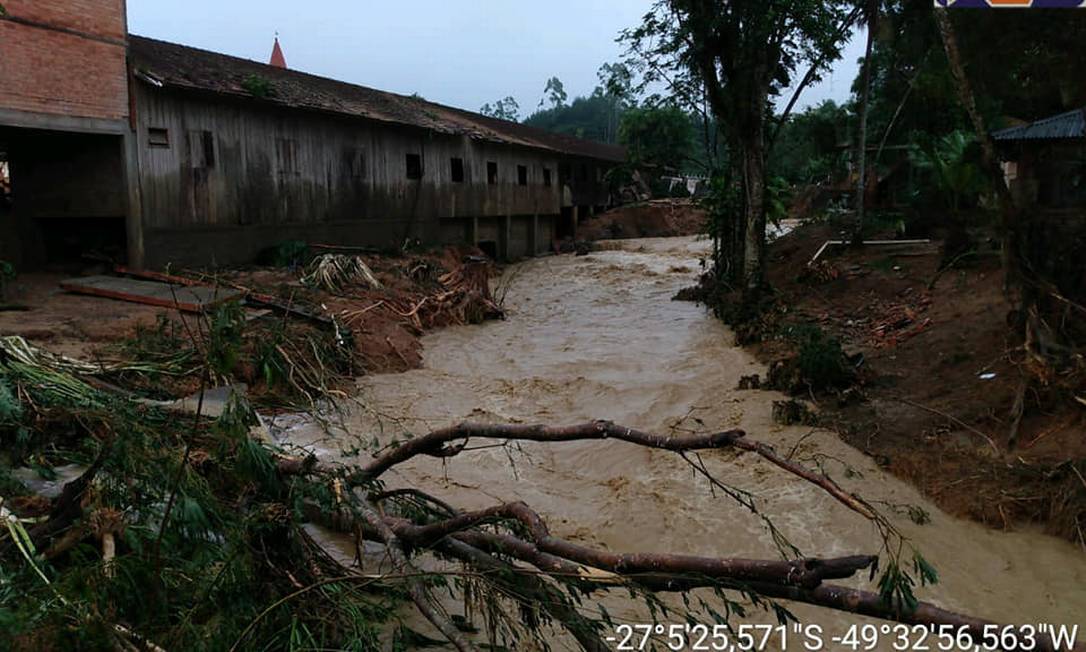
598 337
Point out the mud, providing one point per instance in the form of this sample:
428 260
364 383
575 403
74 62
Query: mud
597 337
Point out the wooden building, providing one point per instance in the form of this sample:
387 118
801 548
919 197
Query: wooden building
1045 161
211 159
236 156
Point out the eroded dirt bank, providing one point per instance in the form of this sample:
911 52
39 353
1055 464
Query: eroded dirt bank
597 336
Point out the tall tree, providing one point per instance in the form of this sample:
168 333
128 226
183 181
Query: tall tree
658 140
504 109
741 52
872 10
555 91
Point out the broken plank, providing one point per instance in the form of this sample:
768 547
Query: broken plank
251 297
184 298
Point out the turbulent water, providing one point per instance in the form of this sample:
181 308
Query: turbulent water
598 337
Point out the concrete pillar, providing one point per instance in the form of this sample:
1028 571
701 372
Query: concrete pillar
134 214
533 236
473 236
576 220
505 239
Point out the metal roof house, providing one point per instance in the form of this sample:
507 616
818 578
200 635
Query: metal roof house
205 158
1045 161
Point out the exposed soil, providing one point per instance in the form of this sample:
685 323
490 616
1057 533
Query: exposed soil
938 377
385 335
652 219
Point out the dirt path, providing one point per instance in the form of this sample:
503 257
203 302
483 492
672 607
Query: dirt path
598 337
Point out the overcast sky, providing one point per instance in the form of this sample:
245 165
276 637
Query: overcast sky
459 53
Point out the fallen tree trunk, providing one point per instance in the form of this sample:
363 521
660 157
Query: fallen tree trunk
801 572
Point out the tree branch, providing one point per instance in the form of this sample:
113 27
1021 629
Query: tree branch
415 587
437 444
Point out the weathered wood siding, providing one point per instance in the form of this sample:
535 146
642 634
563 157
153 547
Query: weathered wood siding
266 173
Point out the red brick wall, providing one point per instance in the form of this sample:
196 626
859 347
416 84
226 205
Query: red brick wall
59 72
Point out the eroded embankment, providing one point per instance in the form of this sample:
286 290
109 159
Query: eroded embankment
597 337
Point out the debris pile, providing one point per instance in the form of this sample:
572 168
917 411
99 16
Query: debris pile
336 272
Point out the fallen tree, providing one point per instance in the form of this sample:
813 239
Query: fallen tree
175 522
514 537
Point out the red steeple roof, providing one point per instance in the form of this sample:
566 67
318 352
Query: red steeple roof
277 58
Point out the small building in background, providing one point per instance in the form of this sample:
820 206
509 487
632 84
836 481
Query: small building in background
1045 161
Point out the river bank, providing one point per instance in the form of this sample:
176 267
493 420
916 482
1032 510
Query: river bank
936 373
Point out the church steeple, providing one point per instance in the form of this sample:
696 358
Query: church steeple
277 58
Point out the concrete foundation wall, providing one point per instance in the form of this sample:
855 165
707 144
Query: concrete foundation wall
241 244
546 233
520 237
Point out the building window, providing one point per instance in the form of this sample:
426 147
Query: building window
491 172
158 137
414 166
286 156
522 175
547 177
201 149
457 169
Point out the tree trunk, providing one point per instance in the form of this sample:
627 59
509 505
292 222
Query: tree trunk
861 181
753 162
990 159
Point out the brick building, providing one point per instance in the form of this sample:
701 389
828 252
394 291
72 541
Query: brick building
64 129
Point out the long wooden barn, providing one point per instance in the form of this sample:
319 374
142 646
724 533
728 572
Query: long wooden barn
210 159
235 156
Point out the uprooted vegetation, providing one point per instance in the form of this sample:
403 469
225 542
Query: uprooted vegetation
183 531
177 525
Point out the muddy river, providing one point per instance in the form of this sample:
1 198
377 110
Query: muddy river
598 337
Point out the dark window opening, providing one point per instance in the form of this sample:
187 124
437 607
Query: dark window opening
286 155
354 162
201 149
546 176
491 172
563 173
457 165
582 173
490 248
522 175
414 166
158 137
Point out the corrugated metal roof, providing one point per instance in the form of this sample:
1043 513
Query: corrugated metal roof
186 68
1065 125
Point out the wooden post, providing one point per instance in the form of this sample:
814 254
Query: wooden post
134 214
533 238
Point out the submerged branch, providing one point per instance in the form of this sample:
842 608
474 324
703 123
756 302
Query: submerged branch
439 443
